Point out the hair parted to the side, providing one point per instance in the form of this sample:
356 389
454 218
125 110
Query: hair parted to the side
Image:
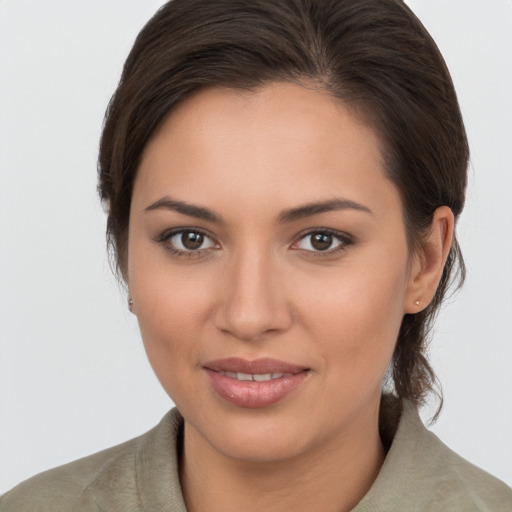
375 56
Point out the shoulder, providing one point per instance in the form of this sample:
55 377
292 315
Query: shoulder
63 487
421 473
460 484
107 480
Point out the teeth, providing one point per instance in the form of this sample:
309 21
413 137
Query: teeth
258 377
262 378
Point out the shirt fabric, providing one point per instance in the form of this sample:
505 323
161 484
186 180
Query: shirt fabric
419 474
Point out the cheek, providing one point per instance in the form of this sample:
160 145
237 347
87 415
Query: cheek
170 324
167 311
171 304
355 317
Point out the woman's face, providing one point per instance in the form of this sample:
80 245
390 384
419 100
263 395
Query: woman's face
269 269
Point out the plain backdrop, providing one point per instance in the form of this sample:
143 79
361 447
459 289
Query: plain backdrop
74 377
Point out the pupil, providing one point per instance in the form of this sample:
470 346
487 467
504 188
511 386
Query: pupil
191 240
321 241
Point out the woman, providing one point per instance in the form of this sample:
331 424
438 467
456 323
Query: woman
282 181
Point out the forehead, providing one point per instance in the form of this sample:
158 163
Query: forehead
281 143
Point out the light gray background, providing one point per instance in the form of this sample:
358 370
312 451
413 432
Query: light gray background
74 377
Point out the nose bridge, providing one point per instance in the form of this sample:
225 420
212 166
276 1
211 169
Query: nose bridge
253 301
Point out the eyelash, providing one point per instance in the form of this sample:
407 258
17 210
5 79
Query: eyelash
166 237
343 239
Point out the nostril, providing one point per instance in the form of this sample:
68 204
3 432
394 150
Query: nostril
251 305
250 329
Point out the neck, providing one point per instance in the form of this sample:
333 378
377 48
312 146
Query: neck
332 477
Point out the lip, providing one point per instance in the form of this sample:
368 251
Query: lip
254 394
264 365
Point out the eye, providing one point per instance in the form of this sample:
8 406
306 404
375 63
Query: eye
188 241
322 241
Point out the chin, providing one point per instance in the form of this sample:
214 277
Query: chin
261 447
264 435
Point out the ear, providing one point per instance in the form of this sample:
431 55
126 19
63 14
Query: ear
428 261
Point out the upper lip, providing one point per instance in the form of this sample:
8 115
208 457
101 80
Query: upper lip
258 366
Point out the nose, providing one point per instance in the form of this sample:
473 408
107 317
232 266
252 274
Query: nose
253 303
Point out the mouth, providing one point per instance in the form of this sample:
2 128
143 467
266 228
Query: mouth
254 384
256 377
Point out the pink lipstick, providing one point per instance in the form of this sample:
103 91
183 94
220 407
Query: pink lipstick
254 384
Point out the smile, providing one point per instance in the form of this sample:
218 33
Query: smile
254 384
257 377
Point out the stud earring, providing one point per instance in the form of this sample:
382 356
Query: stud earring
130 304
416 302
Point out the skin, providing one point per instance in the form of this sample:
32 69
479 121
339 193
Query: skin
258 288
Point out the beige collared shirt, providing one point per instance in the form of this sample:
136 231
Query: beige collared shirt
419 474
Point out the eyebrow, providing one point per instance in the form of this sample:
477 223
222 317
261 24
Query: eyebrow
290 215
184 208
311 209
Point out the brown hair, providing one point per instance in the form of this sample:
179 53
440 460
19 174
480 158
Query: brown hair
374 55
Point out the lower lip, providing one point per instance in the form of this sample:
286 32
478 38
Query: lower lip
254 394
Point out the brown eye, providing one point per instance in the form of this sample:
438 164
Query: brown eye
321 241
190 241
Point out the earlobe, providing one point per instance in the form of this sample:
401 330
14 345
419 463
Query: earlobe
428 262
